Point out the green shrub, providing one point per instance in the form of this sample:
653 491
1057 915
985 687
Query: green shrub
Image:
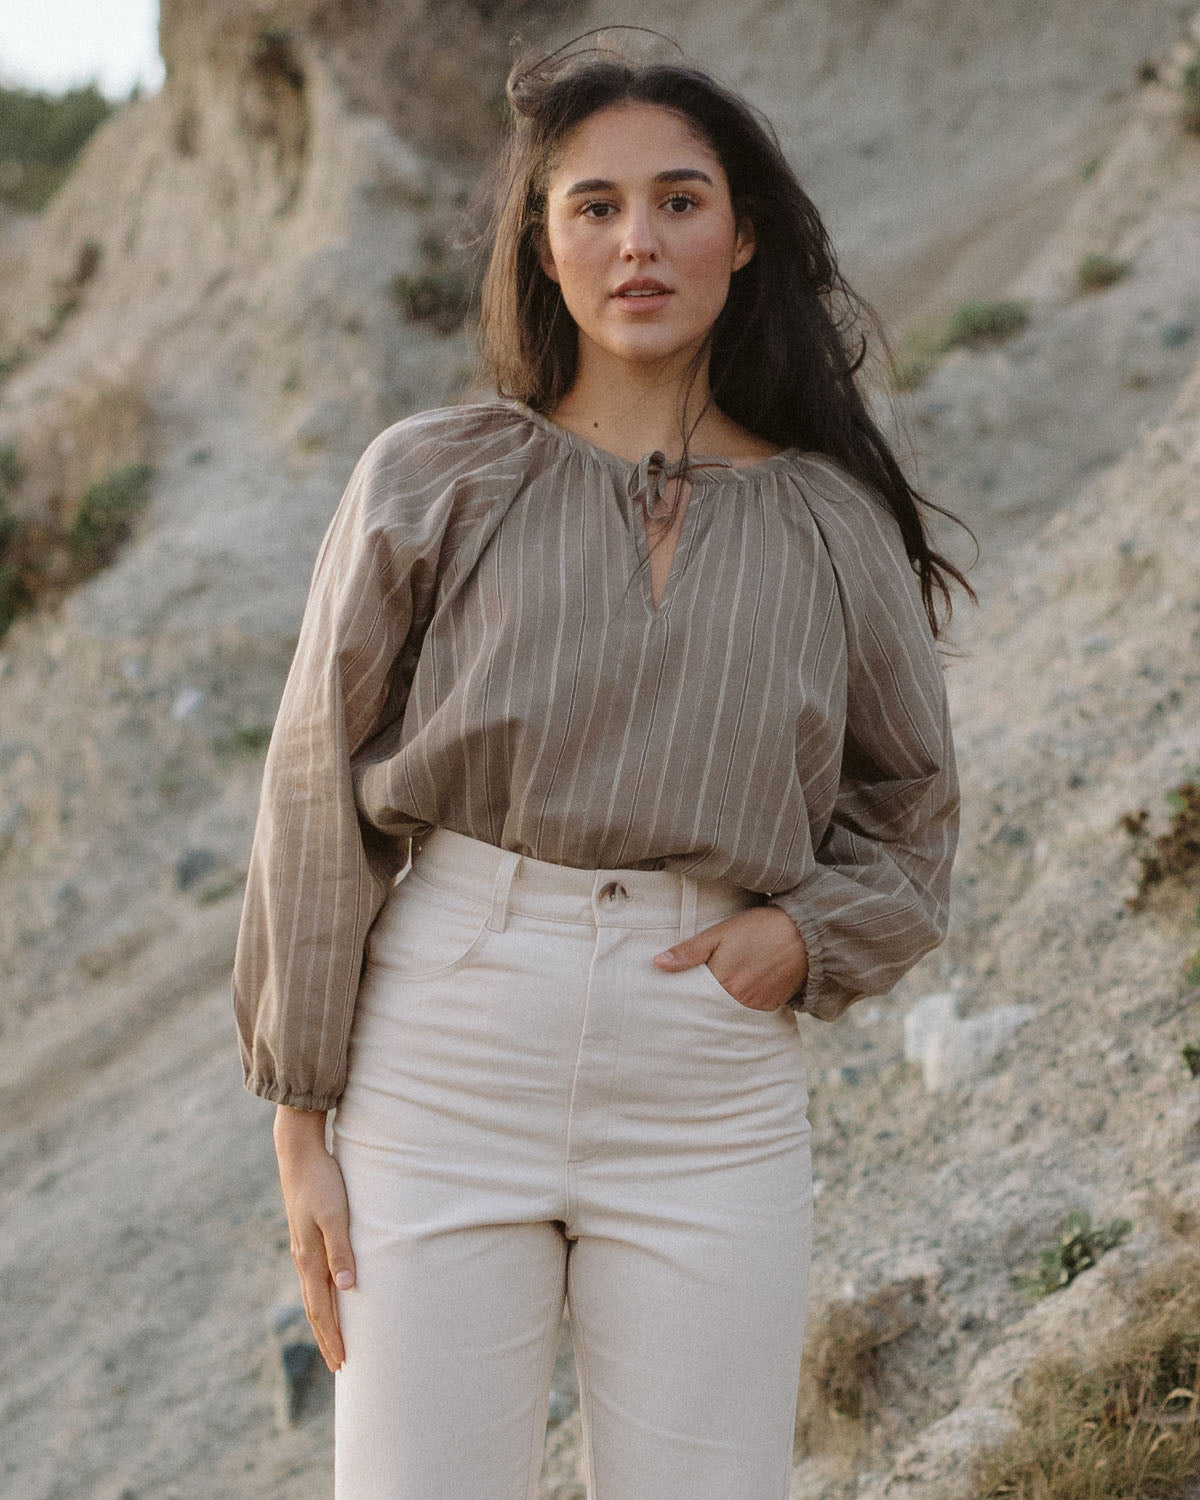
984 322
41 134
218 890
248 739
1189 87
28 551
1097 270
1077 1246
105 516
976 322
14 596
13 360
10 469
916 355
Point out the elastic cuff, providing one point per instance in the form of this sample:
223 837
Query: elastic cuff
808 995
276 1092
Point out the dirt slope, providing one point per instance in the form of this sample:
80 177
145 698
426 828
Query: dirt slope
235 322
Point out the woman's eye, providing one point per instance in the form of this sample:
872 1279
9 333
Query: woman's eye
679 203
600 209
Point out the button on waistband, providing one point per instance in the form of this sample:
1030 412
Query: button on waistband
613 892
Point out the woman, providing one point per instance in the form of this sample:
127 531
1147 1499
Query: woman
641 658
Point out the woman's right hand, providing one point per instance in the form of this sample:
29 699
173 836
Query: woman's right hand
318 1216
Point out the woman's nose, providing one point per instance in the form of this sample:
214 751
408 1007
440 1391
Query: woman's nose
638 241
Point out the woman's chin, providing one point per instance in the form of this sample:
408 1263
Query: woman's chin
648 348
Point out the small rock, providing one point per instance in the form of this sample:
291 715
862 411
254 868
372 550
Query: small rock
868 1014
928 1015
1173 334
187 701
301 1377
68 898
193 865
10 820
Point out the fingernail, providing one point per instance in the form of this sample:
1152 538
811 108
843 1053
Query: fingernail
344 1279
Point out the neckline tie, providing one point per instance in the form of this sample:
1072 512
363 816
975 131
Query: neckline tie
650 480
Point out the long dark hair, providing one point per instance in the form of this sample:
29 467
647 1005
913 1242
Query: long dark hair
791 339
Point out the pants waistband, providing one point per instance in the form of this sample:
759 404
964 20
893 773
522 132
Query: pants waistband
510 882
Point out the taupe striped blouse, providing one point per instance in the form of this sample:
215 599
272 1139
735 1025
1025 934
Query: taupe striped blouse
480 651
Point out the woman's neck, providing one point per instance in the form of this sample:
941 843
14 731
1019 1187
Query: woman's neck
631 417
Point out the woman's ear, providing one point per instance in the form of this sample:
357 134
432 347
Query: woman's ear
745 243
541 243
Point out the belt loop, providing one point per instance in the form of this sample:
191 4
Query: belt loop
687 908
501 886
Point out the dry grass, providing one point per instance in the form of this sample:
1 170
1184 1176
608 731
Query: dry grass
1171 856
1174 853
1096 270
919 350
1123 1426
1189 90
843 1350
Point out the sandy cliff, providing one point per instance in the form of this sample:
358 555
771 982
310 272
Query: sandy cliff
215 290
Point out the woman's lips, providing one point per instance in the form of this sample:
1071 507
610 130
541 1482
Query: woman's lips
642 295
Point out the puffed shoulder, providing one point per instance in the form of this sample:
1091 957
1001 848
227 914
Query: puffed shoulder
449 443
837 498
862 537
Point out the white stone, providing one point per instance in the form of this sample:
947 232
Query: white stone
966 1049
187 701
925 1017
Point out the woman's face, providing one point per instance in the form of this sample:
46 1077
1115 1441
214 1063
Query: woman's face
641 235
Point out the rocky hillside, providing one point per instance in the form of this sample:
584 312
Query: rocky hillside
251 273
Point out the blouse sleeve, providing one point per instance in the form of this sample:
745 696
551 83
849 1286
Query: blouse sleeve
317 877
876 898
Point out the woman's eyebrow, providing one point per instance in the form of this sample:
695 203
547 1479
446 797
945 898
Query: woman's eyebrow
672 174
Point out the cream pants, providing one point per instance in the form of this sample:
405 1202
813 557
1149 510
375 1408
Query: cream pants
535 1111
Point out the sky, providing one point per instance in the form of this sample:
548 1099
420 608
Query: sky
56 44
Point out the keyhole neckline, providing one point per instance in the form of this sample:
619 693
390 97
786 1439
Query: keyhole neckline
700 466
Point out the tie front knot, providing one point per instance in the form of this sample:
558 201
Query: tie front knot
650 481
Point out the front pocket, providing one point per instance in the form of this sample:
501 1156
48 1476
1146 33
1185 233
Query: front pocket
715 987
425 931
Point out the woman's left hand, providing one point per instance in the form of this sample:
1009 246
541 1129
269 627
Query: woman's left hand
757 955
